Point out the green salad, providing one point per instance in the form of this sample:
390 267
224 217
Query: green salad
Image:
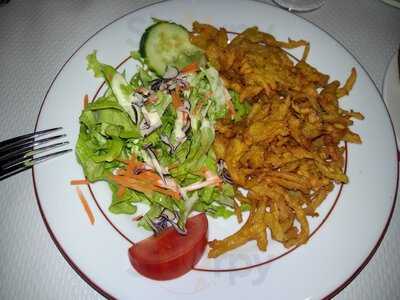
150 136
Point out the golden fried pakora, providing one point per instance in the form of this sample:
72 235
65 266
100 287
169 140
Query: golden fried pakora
288 152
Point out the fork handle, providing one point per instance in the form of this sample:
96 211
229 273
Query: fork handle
4 175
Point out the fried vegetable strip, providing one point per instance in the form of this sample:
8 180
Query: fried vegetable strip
289 150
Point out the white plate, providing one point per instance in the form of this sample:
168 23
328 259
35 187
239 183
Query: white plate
353 219
391 92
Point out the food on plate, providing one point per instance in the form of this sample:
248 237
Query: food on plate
169 254
287 152
150 136
167 44
218 123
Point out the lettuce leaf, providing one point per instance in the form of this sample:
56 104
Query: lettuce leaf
124 204
218 109
200 145
108 133
104 128
99 69
121 89
154 211
93 170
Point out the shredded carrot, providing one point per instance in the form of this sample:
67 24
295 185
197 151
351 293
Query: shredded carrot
121 191
190 68
146 181
148 175
85 205
176 98
132 183
143 185
85 101
133 164
231 108
79 182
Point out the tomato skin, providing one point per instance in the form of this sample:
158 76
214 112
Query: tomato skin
170 254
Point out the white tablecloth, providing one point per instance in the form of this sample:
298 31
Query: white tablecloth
36 37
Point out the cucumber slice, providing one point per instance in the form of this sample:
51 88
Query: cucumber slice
166 43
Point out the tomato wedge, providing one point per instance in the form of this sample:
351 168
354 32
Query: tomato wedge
169 254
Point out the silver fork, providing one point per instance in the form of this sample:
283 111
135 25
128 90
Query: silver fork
20 153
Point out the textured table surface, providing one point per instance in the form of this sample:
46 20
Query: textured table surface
36 37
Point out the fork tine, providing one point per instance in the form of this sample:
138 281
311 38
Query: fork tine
24 165
26 153
47 157
30 142
30 136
